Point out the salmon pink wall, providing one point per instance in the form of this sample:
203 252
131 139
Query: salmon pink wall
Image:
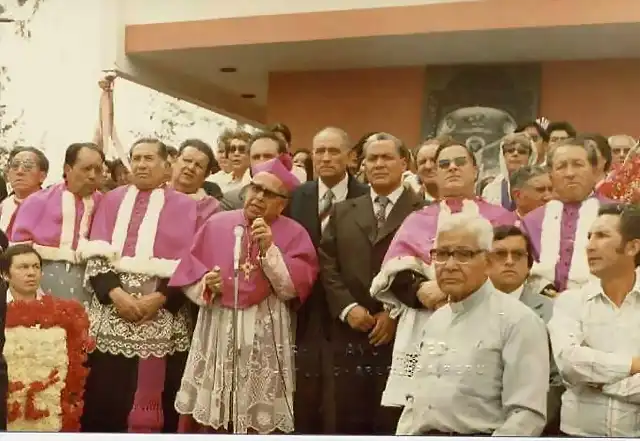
598 96
595 96
358 101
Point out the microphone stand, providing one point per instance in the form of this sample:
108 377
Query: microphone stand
236 352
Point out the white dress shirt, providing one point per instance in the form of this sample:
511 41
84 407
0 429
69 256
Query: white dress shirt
339 190
593 344
516 293
10 296
393 199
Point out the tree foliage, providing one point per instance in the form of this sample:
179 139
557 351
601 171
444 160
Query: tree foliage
11 125
173 120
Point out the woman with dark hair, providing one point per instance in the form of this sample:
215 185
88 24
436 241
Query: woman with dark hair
356 167
302 159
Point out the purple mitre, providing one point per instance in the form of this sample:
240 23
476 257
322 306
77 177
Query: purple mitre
279 169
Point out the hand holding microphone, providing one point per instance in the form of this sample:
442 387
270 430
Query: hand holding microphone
261 232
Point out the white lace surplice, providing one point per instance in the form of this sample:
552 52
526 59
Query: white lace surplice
266 361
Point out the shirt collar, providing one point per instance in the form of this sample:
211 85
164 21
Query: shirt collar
339 190
393 196
39 295
516 293
471 301
594 288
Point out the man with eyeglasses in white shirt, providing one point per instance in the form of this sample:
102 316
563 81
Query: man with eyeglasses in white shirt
595 332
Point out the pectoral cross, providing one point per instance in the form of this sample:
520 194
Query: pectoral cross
247 268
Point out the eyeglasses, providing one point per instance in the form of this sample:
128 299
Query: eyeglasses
501 256
268 194
26 165
241 149
459 255
516 149
460 161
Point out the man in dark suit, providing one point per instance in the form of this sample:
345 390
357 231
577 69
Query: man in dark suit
311 205
361 332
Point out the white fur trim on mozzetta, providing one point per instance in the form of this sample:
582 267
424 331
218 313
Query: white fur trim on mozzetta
492 193
149 225
579 273
55 254
382 281
121 227
163 268
7 210
97 248
549 242
68 226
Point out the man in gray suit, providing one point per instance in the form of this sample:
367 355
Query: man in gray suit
511 260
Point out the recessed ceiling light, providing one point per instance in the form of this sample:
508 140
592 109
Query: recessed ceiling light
248 95
228 69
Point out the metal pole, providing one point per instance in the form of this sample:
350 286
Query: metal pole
236 353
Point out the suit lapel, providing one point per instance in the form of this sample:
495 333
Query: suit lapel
531 299
363 211
310 210
403 206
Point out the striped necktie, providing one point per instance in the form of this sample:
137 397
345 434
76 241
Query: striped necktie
325 205
381 211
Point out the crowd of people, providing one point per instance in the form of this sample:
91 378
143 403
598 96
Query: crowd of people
360 288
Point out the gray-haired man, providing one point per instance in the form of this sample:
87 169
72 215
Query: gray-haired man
530 188
483 363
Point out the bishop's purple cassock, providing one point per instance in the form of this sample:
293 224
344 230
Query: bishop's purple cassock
267 286
56 223
409 252
559 235
136 240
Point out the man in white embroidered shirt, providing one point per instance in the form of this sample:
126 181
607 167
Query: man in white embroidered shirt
595 333
483 366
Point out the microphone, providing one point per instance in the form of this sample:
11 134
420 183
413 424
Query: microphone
238 232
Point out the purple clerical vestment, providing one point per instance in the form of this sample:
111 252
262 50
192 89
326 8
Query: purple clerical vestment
142 231
55 221
559 235
213 247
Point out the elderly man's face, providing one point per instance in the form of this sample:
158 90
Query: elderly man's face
25 175
572 175
461 266
536 192
266 197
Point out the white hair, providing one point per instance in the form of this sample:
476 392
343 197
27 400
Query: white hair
470 223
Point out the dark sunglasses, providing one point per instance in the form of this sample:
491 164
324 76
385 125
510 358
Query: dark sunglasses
460 161
242 149
268 194
516 149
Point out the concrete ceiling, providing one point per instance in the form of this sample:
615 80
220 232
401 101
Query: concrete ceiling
254 62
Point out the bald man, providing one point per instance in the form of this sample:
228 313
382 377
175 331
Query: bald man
311 205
